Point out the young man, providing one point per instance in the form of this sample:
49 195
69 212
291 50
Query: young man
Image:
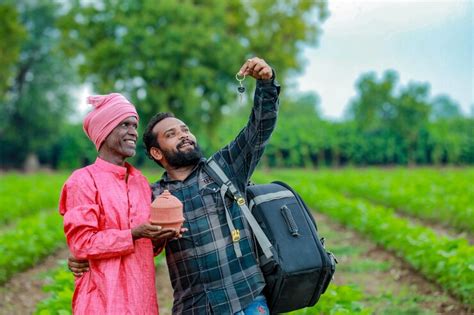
106 211
207 274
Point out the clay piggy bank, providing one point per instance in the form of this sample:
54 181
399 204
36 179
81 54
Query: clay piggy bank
167 211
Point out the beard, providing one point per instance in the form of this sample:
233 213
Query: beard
186 158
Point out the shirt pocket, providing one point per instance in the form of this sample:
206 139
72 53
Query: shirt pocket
212 200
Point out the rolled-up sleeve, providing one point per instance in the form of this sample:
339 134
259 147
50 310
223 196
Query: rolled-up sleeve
82 226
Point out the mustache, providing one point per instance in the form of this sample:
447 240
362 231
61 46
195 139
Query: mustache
186 141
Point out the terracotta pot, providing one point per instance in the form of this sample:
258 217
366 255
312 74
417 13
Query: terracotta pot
167 211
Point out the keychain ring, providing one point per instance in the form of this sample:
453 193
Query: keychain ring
242 77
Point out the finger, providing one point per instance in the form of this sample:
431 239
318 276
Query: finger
162 231
258 67
167 230
73 259
79 271
164 235
251 66
180 233
77 274
244 69
173 232
248 66
265 73
79 264
154 228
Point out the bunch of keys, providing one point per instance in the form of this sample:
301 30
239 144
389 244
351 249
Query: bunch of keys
241 88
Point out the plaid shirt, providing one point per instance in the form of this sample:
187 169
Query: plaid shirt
206 275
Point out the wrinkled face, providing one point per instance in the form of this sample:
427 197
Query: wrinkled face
178 146
121 143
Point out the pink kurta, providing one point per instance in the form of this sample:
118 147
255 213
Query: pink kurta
99 209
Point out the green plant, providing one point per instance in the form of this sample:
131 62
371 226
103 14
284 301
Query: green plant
30 240
337 300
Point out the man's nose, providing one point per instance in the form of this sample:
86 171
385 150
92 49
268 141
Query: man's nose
132 131
182 135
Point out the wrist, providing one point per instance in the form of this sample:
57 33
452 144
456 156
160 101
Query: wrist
134 234
158 245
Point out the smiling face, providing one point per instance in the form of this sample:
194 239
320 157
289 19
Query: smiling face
121 143
177 145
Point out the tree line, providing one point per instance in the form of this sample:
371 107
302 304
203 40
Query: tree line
181 56
178 56
385 124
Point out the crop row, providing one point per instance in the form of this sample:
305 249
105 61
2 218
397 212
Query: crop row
60 286
28 241
449 262
23 195
338 299
445 196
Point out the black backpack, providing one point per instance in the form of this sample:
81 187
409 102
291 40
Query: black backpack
296 266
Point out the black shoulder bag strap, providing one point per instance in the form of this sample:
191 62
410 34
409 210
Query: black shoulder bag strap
215 171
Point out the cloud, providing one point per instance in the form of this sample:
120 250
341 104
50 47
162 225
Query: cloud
427 41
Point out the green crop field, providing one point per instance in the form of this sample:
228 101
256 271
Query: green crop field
421 217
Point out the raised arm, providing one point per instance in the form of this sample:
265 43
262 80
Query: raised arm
244 152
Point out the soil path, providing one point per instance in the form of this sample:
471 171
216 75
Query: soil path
438 227
397 283
164 289
22 292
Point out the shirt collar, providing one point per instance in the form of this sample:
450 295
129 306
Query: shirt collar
120 171
165 178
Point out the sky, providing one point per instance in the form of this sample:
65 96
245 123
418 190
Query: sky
423 40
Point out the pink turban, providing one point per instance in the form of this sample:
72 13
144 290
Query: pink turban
109 110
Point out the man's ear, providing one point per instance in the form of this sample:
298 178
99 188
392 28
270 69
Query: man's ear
156 153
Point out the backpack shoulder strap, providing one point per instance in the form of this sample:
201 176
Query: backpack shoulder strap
216 172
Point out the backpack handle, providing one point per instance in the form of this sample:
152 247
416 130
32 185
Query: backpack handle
290 221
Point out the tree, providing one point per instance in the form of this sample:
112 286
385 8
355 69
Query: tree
39 94
399 114
12 34
443 107
375 104
412 112
293 142
182 56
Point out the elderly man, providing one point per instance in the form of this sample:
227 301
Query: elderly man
106 212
